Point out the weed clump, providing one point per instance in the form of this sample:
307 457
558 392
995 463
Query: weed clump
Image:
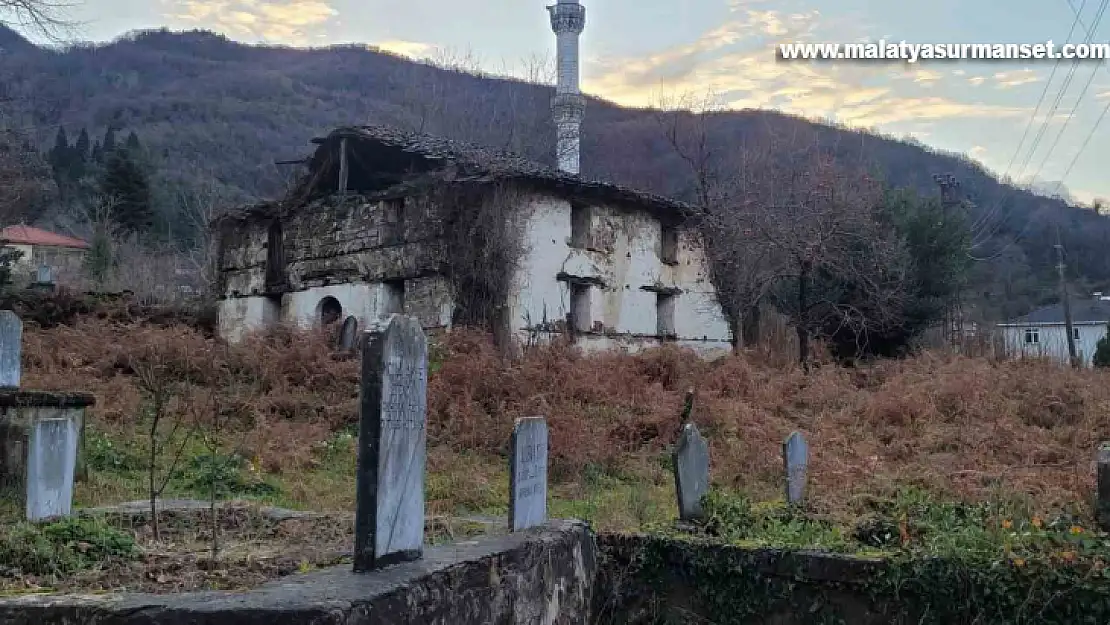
62 547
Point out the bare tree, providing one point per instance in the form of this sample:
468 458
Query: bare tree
159 377
783 223
44 17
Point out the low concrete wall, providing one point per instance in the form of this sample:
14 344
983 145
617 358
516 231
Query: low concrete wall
646 580
542 576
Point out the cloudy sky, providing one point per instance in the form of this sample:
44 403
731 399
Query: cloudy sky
637 51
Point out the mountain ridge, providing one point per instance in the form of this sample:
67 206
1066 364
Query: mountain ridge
214 112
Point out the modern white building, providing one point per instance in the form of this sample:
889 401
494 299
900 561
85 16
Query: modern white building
1043 332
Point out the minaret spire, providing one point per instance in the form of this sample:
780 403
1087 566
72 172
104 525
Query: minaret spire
568 19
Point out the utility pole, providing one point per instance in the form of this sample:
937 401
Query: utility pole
1073 357
953 310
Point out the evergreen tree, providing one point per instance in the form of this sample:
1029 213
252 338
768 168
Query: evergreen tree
82 146
97 153
109 144
60 155
133 143
1101 357
125 181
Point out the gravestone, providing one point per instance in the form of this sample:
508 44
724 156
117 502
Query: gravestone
348 334
795 459
51 466
11 339
691 471
1102 510
528 474
393 400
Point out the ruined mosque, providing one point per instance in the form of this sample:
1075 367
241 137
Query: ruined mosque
387 221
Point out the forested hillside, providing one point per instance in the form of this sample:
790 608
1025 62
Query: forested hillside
213 116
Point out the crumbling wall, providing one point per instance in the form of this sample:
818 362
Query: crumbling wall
622 266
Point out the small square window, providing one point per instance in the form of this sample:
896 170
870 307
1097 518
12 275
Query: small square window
1032 336
394 297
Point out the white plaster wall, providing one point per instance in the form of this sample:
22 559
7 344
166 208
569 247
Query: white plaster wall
633 262
241 315
1053 341
368 302
28 254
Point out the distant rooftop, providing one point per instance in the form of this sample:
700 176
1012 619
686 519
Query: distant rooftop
29 235
1089 309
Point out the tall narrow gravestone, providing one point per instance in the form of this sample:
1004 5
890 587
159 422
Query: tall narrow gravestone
691 472
348 334
795 459
1102 511
528 474
393 401
11 340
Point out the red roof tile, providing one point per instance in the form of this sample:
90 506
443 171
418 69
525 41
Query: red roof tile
29 235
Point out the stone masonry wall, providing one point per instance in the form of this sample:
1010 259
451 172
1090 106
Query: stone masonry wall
539 577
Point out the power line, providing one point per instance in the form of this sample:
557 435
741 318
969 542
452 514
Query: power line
1075 159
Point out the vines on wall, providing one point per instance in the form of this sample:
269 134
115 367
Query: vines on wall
479 249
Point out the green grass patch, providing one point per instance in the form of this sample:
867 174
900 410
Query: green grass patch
62 547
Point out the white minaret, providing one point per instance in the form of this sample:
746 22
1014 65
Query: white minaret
568 19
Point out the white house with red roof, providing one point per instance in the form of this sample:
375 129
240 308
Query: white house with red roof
42 247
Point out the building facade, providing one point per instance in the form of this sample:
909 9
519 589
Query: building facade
390 222
41 247
1043 332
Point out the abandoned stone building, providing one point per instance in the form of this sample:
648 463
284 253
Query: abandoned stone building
387 222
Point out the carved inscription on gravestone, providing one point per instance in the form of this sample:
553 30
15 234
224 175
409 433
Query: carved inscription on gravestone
528 474
389 517
795 458
691 471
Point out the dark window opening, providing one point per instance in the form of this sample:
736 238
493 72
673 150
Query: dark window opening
664 314
394 220
669 254
579 225
580 307
330 310
394 296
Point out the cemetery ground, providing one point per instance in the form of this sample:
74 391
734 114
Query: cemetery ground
934 455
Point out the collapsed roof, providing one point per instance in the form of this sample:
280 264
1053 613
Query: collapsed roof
381 158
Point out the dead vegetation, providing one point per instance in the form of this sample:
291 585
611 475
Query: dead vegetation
957 426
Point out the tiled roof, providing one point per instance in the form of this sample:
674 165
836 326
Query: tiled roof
29 235
1082 311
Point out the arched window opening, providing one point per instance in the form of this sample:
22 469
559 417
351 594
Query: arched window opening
329 311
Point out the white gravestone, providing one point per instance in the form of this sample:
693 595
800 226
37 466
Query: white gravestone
389 515
51 466
11 338
528 474
691 472
795 458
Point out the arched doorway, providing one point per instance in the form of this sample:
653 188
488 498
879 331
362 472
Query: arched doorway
329 311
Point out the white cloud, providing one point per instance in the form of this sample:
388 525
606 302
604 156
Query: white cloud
1005 80
296 22
977 152
737 61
